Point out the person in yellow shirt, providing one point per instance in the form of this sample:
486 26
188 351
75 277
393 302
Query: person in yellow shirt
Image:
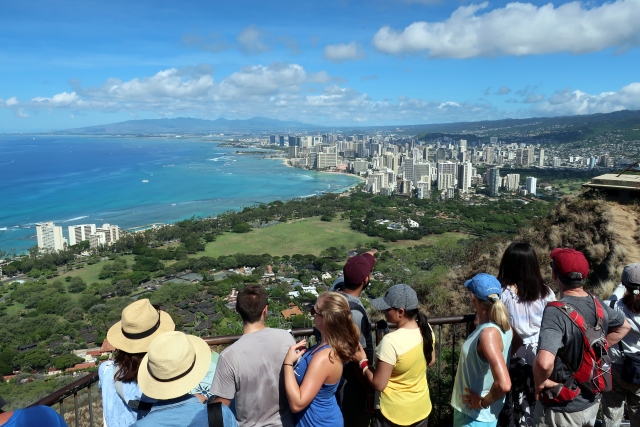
403 357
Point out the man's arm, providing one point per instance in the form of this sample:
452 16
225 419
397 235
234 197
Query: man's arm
223 385
542 370
226 402
616 334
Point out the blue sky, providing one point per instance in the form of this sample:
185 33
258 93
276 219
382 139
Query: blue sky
67 64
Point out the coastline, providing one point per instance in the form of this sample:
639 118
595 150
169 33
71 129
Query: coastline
285 162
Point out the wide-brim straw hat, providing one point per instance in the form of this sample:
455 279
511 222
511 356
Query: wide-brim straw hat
141 323
173 366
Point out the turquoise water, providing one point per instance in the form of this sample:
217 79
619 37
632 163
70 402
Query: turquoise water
135 181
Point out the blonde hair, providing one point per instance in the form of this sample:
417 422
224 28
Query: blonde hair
498 313
340 332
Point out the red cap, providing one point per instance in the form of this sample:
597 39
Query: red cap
567 261
358 268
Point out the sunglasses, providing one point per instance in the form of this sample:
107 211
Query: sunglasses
314 311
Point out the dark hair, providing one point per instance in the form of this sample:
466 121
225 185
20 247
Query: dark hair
250 303
571 280
631 301
519 266
425 331
127 365
354 286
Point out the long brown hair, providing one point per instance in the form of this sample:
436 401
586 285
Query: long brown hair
340 332
127 365
519 266
631 301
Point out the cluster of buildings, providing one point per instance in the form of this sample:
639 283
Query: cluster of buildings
416 169
50 236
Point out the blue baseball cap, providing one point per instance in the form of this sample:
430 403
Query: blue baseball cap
482 285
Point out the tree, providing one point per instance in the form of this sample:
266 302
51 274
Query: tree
77 285
36 359
66 361
241 227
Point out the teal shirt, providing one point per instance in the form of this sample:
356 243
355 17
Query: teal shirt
475 374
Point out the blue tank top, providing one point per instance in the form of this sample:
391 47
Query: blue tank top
323 409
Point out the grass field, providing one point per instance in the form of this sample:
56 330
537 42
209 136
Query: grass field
14 308
89 273
306 236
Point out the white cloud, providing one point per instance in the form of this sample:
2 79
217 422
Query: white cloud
503 90
532 98
12 102
568 102
63 99
344 52
21 114
518 29
252 40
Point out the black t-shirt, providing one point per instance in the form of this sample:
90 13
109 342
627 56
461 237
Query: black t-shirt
561 337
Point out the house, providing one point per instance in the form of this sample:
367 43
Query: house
269 273
8 378
53 371
232 297
293 310
412 223
81 366
204 326
294 294
106 347
27 347
310 290
326 276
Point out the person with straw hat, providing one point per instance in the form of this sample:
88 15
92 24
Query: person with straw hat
122 400
174 365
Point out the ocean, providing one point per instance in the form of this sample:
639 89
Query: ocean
133 182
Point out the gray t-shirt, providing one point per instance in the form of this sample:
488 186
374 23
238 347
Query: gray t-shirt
558 335
251 372
356 315
631 342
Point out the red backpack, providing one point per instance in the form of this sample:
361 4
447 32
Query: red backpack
594 371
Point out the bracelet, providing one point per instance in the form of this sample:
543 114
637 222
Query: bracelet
364 369
482 406
288 364
363 363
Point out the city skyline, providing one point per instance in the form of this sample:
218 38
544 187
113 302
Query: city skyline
371 62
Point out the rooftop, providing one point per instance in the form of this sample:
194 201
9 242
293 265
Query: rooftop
615 182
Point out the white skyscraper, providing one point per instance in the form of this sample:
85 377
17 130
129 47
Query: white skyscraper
513 181
541 158
78 233
421 170
531 184
447 171
463 145
50 237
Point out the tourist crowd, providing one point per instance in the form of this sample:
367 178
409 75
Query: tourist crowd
531 360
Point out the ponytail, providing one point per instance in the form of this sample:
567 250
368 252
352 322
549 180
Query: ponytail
498 313
425 331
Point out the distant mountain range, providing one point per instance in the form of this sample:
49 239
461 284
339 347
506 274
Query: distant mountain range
565 129
181 125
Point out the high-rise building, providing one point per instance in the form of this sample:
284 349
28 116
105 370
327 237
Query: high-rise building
50 237
528 155
447 171
489 155
532 183
111 233
493 140
293 142
464 176
407 165
272 139
541 158
79 233
494 181
513 181
462 145
327 160
421 170
359 166
423 188
557 162
281 140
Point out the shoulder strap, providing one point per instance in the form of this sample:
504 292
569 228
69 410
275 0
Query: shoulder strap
612 305
138 405
365 328
214 414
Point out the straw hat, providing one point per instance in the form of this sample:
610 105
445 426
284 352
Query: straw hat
141 323
173 366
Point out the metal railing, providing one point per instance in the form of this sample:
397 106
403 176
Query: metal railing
85 402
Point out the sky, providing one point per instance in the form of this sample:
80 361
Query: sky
69 64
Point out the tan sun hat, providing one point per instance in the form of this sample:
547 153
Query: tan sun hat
141 323
173 366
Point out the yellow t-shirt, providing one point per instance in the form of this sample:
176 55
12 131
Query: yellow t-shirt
405 400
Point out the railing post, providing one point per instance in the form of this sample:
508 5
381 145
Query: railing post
90 406
439 371
75 403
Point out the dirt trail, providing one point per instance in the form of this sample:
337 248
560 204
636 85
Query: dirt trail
625 225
